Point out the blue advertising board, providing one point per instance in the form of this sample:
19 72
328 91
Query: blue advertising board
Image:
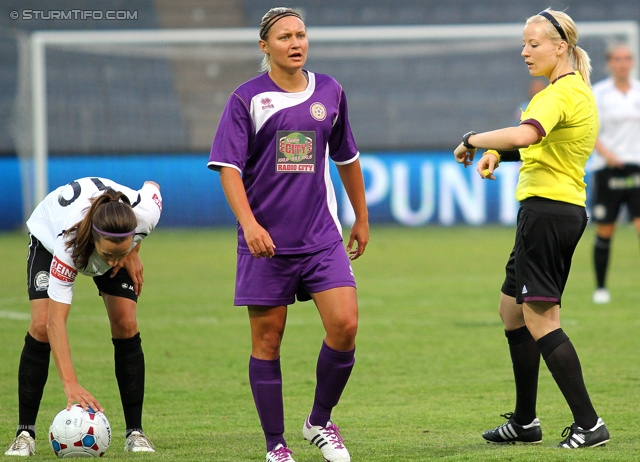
409 189
431 188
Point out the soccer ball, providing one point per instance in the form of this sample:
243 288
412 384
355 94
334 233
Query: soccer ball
79 433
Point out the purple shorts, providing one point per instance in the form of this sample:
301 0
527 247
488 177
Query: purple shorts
280 280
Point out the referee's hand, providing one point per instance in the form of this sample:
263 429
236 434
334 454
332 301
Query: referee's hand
464 155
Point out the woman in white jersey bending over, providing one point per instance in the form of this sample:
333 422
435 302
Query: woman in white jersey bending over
91 226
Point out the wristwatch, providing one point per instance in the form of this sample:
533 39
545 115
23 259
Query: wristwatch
465 140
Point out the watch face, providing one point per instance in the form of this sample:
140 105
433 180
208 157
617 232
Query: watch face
465 140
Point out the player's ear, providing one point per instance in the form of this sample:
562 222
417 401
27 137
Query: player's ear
562 47
263 46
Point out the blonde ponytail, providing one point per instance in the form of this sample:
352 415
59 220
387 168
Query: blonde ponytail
582 63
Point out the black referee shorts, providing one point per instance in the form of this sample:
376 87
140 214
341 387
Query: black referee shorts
39 263
612 188
547 235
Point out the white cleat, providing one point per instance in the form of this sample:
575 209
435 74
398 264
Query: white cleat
601 296
138 442
280 454
328 439
23 446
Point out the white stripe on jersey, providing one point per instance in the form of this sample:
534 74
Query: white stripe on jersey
260 113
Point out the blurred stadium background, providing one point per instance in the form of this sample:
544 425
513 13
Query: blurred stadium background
132 113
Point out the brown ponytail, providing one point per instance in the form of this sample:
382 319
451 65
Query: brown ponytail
110 212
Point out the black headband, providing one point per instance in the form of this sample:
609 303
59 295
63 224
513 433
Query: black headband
555 23
274 19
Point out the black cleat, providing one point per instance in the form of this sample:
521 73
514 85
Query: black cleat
512 433
576 437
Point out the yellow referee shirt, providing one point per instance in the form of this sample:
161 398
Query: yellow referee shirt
565 113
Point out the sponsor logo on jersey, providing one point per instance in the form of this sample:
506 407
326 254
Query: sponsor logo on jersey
157 200
62 271
41 281
266 104
524 290
622 183
295 152
318 111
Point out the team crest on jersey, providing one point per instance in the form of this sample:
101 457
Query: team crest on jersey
296 152
41 281
599 211
266 103
318 111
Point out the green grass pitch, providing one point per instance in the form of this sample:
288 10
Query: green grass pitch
432 370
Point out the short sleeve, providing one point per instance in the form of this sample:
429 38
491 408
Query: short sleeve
546 110
233 139
148 209
342 144
62 274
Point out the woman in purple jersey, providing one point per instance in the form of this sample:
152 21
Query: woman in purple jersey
272 149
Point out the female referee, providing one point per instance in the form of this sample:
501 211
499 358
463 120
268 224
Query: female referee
91 226
554 139
272 149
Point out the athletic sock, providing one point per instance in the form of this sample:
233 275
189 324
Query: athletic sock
332 374
265 377
33 372
562 360
130 374
525 359
129 431
31 429
601 252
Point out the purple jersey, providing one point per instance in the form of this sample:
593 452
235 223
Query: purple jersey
280 142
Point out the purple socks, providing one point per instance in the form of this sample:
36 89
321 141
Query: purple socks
332 374
266 384
265 376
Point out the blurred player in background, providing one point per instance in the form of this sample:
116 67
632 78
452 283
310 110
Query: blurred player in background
555 137
272 148
616 160
94 227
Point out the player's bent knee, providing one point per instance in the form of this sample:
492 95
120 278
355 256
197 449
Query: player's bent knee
268 342
122 328
38 330
343 337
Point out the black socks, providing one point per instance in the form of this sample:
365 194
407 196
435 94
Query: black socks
130 374
562 360
33 372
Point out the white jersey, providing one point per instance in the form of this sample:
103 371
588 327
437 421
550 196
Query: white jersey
619 122
66 206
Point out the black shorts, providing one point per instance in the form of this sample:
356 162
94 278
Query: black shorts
547 235
39 263
612 188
